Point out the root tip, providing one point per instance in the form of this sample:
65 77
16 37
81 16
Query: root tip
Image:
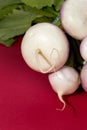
64 103
61 109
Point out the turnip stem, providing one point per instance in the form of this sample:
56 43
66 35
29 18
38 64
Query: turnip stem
56 20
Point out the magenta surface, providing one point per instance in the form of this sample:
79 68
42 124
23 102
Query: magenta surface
27 101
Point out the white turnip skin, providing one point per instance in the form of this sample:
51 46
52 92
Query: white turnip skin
45 47
64 82
83 49
74 18
84 77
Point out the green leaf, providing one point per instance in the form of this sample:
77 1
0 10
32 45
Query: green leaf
8 42
43 19
16 24
16 16
58 4
8 9
38 3
51 11
48 12
8 2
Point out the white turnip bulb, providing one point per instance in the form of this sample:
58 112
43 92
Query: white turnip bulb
64 82
45 47
74 18
83 49
84 77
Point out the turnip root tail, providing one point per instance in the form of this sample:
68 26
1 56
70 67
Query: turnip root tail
64 103
52 65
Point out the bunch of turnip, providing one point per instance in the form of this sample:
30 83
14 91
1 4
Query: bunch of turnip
74 22
46 48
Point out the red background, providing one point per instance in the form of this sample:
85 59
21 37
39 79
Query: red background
27 101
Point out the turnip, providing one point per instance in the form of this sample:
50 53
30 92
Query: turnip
84 77
74 18
83 49
64 82
45 47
